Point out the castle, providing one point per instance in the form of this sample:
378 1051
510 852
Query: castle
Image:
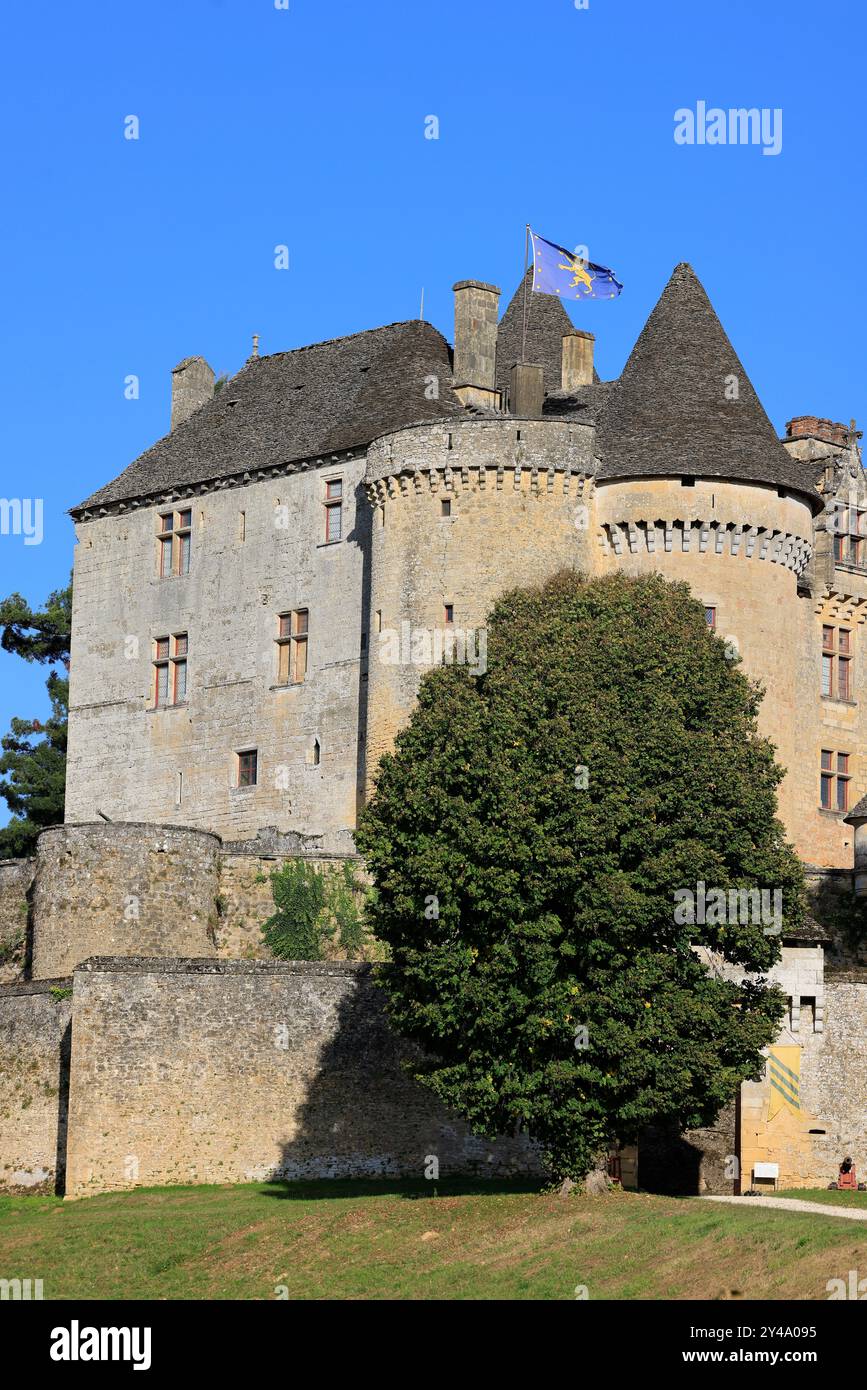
249 596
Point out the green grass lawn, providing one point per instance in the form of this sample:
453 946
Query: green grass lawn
356 1240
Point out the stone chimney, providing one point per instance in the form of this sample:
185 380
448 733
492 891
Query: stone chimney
192 386
475 363
813 427
526 390
577 360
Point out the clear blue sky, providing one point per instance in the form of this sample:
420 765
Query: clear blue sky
305 127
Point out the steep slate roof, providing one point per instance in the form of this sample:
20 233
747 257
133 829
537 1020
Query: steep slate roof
668 412
547 321
334 395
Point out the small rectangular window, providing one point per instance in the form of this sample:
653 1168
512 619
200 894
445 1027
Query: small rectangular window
292 647
837 651
299 645
827 675
334 509
446 507
170 670
710 617
166 550
334 521
174 536
162 697
834 778
449 613
248 768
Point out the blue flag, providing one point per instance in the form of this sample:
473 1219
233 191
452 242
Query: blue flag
558 271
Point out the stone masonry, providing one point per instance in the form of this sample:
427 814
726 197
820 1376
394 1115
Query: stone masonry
206 1071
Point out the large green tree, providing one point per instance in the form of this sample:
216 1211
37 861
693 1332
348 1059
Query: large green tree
527 837
33 760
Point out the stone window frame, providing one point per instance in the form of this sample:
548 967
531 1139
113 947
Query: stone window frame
333 504
170 670
837 657
835 774
849 528
243 780
174 542
293 633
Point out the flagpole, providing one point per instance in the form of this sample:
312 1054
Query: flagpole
524 313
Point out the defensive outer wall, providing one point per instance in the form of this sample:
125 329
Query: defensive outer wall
147 1067
174 1060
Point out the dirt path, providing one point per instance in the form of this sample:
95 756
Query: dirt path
795 1204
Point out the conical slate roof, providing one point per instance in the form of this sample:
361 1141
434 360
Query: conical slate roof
547 321
858 812
674 409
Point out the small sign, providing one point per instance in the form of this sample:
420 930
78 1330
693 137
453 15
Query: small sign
766 1170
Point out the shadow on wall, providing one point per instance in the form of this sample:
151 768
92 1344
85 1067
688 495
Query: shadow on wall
365 1118
63 1073
29 930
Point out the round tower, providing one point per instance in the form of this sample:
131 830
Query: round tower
693 483
463 511
122 889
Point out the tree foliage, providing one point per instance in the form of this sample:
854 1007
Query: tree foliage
33 760
529 905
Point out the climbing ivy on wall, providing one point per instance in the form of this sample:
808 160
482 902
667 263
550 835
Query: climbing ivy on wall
319 912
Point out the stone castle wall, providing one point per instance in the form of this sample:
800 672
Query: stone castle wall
257 551
16 879
246 901
525 501
142 890
34 1072
208 1071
